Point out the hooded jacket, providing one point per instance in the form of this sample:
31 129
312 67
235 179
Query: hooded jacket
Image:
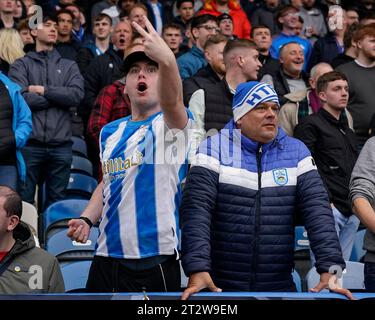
241 25
21 123
63 89
238 211
24 261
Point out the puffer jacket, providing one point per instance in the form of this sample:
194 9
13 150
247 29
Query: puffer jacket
24 261
63 85
238 210
21 124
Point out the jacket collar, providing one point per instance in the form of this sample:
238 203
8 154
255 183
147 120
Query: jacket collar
342 122
24 241
197 52
53 55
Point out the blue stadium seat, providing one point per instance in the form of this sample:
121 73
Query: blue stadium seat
301 241
80 186
75 275
79 147
358 252
59 213
353 277
64 249
297 280
81 165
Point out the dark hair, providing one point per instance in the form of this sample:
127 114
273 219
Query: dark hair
348 35
238 43
370 15
64 11
23 24
172 26
259 26
180 2
102 16
367 30
328 77
49 17
215 39
202 19
13 202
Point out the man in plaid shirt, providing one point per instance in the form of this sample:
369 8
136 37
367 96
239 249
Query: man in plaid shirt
111 104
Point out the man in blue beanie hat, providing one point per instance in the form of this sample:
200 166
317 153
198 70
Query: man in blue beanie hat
239 202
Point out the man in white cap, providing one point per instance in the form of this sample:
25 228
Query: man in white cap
240 199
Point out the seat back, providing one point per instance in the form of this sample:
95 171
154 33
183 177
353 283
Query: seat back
79 147
66 249
301 241
80 186
81 165
59 213
75 275
30 216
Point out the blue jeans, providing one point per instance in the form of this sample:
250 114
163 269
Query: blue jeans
46 164
370 276
346 228
9 176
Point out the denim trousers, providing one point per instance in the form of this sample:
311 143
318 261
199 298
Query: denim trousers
46 164
9 176
346 228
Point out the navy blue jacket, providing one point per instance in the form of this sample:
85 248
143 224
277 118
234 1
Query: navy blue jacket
237 212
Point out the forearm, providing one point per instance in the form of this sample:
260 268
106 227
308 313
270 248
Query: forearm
94 209
169 78
365 212
170 93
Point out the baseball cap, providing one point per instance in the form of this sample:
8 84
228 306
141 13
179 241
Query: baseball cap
224 16
134 57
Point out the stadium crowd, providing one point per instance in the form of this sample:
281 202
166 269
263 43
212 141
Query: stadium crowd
213 127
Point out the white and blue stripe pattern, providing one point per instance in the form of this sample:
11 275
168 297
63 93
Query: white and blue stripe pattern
141 195
248 95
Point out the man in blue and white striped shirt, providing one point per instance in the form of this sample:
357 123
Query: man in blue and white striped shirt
144 162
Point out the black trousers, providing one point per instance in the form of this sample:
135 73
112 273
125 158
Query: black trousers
116 275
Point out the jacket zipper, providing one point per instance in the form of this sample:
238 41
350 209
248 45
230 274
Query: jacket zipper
257 218
46 110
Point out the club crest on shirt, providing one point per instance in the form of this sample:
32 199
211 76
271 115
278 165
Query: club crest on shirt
280 176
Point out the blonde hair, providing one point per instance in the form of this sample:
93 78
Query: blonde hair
11 47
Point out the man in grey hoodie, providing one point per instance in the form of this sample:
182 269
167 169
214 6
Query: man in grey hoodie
362 196
51 86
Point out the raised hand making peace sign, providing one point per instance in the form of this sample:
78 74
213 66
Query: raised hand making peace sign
155 47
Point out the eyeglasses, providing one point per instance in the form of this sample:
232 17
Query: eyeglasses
210 28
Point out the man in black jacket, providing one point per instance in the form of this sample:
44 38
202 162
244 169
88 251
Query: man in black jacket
211 103
334 147
51 86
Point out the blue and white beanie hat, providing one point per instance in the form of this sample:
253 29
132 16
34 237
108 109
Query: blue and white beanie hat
249 94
